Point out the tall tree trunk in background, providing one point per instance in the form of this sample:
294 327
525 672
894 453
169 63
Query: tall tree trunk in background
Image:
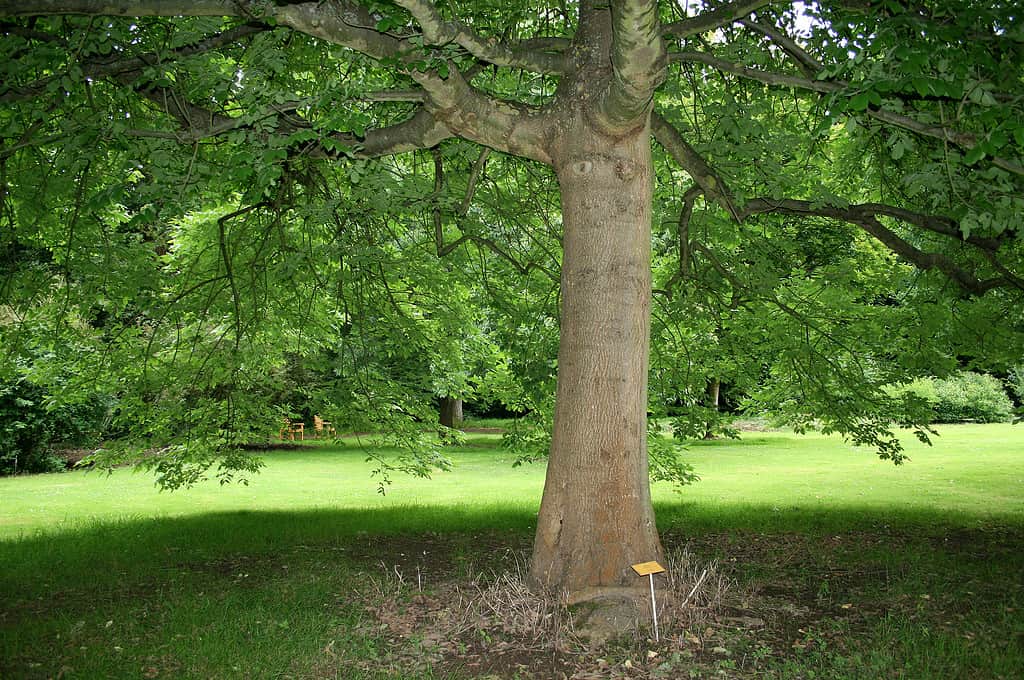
451 412
596 517
713 390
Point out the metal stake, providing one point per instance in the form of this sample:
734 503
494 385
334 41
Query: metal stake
650 569
654 608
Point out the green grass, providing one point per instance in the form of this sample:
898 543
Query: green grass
105 576
976 471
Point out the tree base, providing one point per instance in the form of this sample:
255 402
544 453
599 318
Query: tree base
609 613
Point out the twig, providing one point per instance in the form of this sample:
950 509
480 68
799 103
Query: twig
695 587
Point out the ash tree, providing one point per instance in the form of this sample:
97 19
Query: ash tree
874 146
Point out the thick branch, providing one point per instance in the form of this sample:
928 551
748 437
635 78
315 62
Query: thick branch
510 128
340 22
343 23
453 106
709 21
934 223
864 216
638 62
150 8
437 31
422 131
132 66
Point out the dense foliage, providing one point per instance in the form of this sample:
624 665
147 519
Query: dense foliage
33 422
206 216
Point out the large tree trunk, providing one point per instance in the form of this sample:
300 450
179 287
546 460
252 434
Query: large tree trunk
451 412
596 517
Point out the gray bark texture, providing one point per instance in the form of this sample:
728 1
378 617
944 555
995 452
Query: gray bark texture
596 517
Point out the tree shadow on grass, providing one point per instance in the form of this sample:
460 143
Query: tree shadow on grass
798 570
138 545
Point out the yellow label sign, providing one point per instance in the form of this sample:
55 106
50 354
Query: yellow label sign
645 568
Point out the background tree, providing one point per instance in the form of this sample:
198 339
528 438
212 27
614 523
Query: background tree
842 183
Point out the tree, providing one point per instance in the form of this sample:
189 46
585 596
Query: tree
769 111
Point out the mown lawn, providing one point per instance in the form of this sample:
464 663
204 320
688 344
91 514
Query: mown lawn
842 566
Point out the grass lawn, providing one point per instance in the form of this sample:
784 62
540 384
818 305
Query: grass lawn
842 566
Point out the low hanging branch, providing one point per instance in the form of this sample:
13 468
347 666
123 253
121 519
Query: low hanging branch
865 216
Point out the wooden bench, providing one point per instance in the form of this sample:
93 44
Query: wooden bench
320 426
293 427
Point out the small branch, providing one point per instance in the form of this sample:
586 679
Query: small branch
683 234
713 186
439 244
228 269
865 217
703 575
709 21
964 140
474 178
808 64
766 77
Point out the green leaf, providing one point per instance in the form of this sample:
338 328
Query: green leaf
860 101
974 155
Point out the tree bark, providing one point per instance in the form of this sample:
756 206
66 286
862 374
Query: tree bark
451 412
596 517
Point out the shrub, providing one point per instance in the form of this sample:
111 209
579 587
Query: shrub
973 397
923 389
24 430
1016 382
28 429
963 397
